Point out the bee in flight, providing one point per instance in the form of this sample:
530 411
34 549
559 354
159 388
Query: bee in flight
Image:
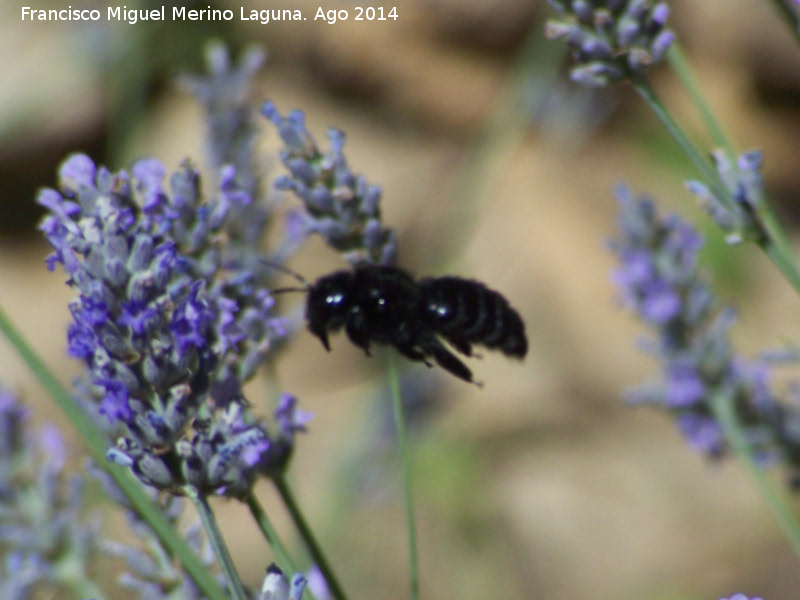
385 305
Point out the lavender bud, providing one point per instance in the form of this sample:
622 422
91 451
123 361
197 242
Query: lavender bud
583 11
627 30
612 41
339 203
660 14
745 186
660 45
597 74
275 585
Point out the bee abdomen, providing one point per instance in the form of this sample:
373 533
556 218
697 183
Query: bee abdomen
466 312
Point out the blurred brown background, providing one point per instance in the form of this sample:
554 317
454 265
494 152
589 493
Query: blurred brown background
542 484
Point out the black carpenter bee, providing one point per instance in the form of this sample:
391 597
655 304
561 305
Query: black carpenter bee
385 305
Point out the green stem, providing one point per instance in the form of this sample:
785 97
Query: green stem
723 409
307 535
97 443
285 561
774 244
784 261
684 72
698 159
217 543
402 441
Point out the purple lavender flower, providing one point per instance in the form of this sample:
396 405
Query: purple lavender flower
745 184
19 573
317 584
340 205
231 138
658 279
290 420
611 40
225 439
277 587
741 597
42 522
161 320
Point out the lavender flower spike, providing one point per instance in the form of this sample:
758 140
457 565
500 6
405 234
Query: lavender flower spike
744 183
43 526
231 131
658 279
611 40
162 321
340 205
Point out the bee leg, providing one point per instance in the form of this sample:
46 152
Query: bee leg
449 361
410 350
462 346
323 337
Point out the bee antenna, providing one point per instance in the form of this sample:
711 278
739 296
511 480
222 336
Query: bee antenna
288 271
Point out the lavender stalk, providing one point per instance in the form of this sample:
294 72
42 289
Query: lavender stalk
620 40
720 401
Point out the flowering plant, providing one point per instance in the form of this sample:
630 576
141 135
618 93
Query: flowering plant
173 315
722 403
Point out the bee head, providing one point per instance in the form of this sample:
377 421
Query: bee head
329 302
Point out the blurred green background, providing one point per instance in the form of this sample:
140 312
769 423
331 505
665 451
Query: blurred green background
542 484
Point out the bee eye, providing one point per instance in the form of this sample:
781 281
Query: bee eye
334 299
439 309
